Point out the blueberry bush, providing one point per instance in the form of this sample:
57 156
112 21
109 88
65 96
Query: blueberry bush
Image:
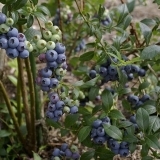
71 80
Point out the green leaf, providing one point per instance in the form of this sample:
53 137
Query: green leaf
146 31
87 155
116 114
145 149
150 52
149 22
107 100
131 5
30 33
30 21
93 92
154 123
4 133
86 56
13 79
90 83
70 120
124 124
142 119
34 1
19 4
113 131
144 85
147 158
152 141
44 9
149 108
130 138
40 16
53 123
127 21
104 153
83 133
36 156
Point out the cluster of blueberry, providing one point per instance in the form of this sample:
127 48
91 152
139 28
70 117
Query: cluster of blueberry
106 19
11 40
99 136
57 107
65 151
109 72
81 46
65 13
133 120
136 101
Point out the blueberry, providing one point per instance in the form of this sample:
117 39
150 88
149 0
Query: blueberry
42 57
97 123
103 71
142 72
113 77
45 88
3 43
56 152
60 48
59 105
93 132
128 68
105 22
52 65
130 76
62 153
21 46
124 145
74 110
140 103
145 98
2 18
64 65
100 131
64 146
92 73
135 68
114 145
99 140
51 55
133 119
123 152
12 53
55 119
49 114
51 106
58 113
24 54
112 70
133 99
75 156
54 98
110 90
105 120
115 151
107 63
53 83
61 58
13 42
106 79
12 33
45 82
21 37
68 153
45 72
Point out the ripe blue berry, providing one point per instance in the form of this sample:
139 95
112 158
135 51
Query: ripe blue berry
12 53
21 37
60 48
45 88
99 140
68 153
54 98
24 54
52 65
45 82
145 98
56 152
133 99
97 123
21 46
49 114
60 105
105 120
51 107
51 55
2 18
133 119
142 72
103 71
53 83
58 113
64 146
135 68
12 33
61 58
124 145
3 43
13 42
92 73
45 72
112 70
75 156
100 131
93 132
123 152
74 110
114 145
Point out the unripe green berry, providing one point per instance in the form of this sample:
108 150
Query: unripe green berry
74 148
66 100
9 21
35 49
66 109
4 28
76 102
70 102
47 34
55 29
59 72
49 25
55 38
56 158
50 45
29 46
41 44
63 95
29 9
81 95
36 38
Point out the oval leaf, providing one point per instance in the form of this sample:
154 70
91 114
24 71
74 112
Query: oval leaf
86 56
83 133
